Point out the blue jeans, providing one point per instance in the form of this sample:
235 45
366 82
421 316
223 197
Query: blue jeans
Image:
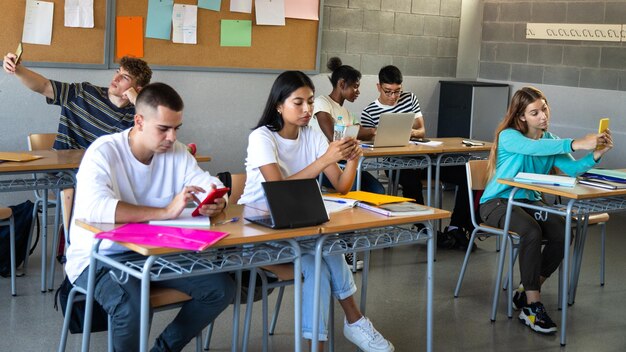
336 280
211 295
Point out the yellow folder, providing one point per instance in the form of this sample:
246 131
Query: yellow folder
9 156
372 198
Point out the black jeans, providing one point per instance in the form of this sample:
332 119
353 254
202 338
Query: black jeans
533 227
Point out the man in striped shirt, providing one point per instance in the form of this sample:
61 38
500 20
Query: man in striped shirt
393 100
88 111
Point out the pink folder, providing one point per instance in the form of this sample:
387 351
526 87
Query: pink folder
164 236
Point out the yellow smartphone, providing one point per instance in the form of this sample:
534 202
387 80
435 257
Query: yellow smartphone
603 126
18 53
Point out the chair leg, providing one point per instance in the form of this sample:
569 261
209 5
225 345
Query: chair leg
279 300
207 339
331 325
248 316
30 234
468 252
602 251
66 320
110 334
199 342
55 241
12 250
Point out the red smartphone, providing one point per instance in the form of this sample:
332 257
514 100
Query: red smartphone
210 198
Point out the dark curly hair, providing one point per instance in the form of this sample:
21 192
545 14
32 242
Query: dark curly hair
138 68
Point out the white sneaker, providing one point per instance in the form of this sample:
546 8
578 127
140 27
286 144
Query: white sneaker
366 337
350 261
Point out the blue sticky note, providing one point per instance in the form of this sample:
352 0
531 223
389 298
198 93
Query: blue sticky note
159 23
214 5
236 33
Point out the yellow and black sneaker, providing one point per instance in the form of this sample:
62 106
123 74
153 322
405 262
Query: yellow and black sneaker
535 317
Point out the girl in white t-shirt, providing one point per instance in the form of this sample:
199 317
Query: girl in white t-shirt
283 146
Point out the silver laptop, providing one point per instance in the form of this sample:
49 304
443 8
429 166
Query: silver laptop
394 130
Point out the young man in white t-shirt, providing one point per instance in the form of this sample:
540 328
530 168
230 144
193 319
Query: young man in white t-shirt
138 175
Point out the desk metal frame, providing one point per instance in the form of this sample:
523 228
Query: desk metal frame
44 180
213 260
367 240
581 208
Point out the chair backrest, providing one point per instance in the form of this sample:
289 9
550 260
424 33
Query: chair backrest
236 188
41 141
476 181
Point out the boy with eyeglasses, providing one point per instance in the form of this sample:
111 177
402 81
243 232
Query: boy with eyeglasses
88 111
393 100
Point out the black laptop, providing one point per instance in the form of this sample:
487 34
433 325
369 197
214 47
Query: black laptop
291 204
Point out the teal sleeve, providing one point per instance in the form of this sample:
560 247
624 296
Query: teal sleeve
572 167
514 141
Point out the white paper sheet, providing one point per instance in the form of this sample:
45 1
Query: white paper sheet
241 6
270 12
185 24
184 219
79 13
38 22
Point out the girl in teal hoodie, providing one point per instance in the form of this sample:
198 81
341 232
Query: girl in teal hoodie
523 144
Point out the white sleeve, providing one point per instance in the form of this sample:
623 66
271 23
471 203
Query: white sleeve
321 104
96 196
262 149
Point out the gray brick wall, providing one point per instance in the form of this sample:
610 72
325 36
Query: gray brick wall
507 55
419 36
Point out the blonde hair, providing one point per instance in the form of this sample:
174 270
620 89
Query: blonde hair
521 99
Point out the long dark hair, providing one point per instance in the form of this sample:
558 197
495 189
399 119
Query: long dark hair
521 99
285 84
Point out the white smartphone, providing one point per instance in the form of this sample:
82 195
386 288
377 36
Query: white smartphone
351 131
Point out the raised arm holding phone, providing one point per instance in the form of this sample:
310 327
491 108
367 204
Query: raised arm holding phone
91 111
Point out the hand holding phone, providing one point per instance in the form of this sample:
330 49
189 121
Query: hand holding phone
210 199
18 53
602 127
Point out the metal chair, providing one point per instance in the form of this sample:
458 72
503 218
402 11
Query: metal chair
44 141
6 218
160 298
476 181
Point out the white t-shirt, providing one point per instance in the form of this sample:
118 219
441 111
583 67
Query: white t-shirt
325 104
292 155
108 173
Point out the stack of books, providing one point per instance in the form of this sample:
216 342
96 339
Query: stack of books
607 179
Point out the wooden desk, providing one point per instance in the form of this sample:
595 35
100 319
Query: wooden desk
455 153
263 246
54 171
394 159
582 201
361 230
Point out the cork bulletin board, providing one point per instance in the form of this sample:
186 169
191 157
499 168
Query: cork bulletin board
274 48
70 47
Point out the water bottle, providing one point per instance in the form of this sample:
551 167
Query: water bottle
339 128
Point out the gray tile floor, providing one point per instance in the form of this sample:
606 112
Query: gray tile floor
396 296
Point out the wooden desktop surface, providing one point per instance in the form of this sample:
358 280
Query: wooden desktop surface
455 145
359 219
448 145
577 192
244 232
56 160
51 160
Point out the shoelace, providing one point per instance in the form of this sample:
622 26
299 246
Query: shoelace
370 331
542 315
